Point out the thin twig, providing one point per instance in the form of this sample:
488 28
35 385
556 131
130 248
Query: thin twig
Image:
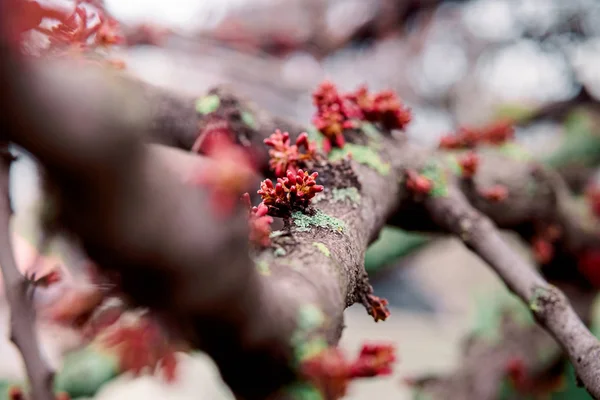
548 304
22 314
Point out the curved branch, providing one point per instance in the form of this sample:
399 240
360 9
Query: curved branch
548 304
17 288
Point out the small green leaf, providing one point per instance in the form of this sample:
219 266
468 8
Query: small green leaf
208 104
248 119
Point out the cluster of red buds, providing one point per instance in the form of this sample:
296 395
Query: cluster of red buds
330 372
377 307
468 164
383 107
418 184
496 193
543 243
294 192
142 346
74 33
496 133
259 223
336 112
229 175
284 157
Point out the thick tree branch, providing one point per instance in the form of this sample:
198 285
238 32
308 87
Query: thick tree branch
17 288
548 304
134 215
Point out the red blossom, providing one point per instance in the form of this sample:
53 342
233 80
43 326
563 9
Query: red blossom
418 184
259 223
496 133
141 346
290 193
108 33
331 122
229 176
374 360
588 263
330 372
15 393
517 373
383 107
543 250
495 193
468 164
377 307
284 156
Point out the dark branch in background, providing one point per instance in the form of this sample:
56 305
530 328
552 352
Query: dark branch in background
17 288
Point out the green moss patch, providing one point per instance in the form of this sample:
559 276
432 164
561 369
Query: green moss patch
341 195
363 155
304 222
263 268
515 151
322 248
208 104
437 176
248 119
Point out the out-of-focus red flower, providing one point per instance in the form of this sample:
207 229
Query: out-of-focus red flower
496 193
330 372
142 345
496 133
259 223
418 184
588 262
468 164
229 176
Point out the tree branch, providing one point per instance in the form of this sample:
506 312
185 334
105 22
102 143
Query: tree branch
548 304
22 314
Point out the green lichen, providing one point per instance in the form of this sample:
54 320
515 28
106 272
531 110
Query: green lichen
350 193
310 317
363 155
304 350
322 248
319 197
208 104
248 119
263 268
453 164
304 222
279 252
437 176
275 234
534 304
515 151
